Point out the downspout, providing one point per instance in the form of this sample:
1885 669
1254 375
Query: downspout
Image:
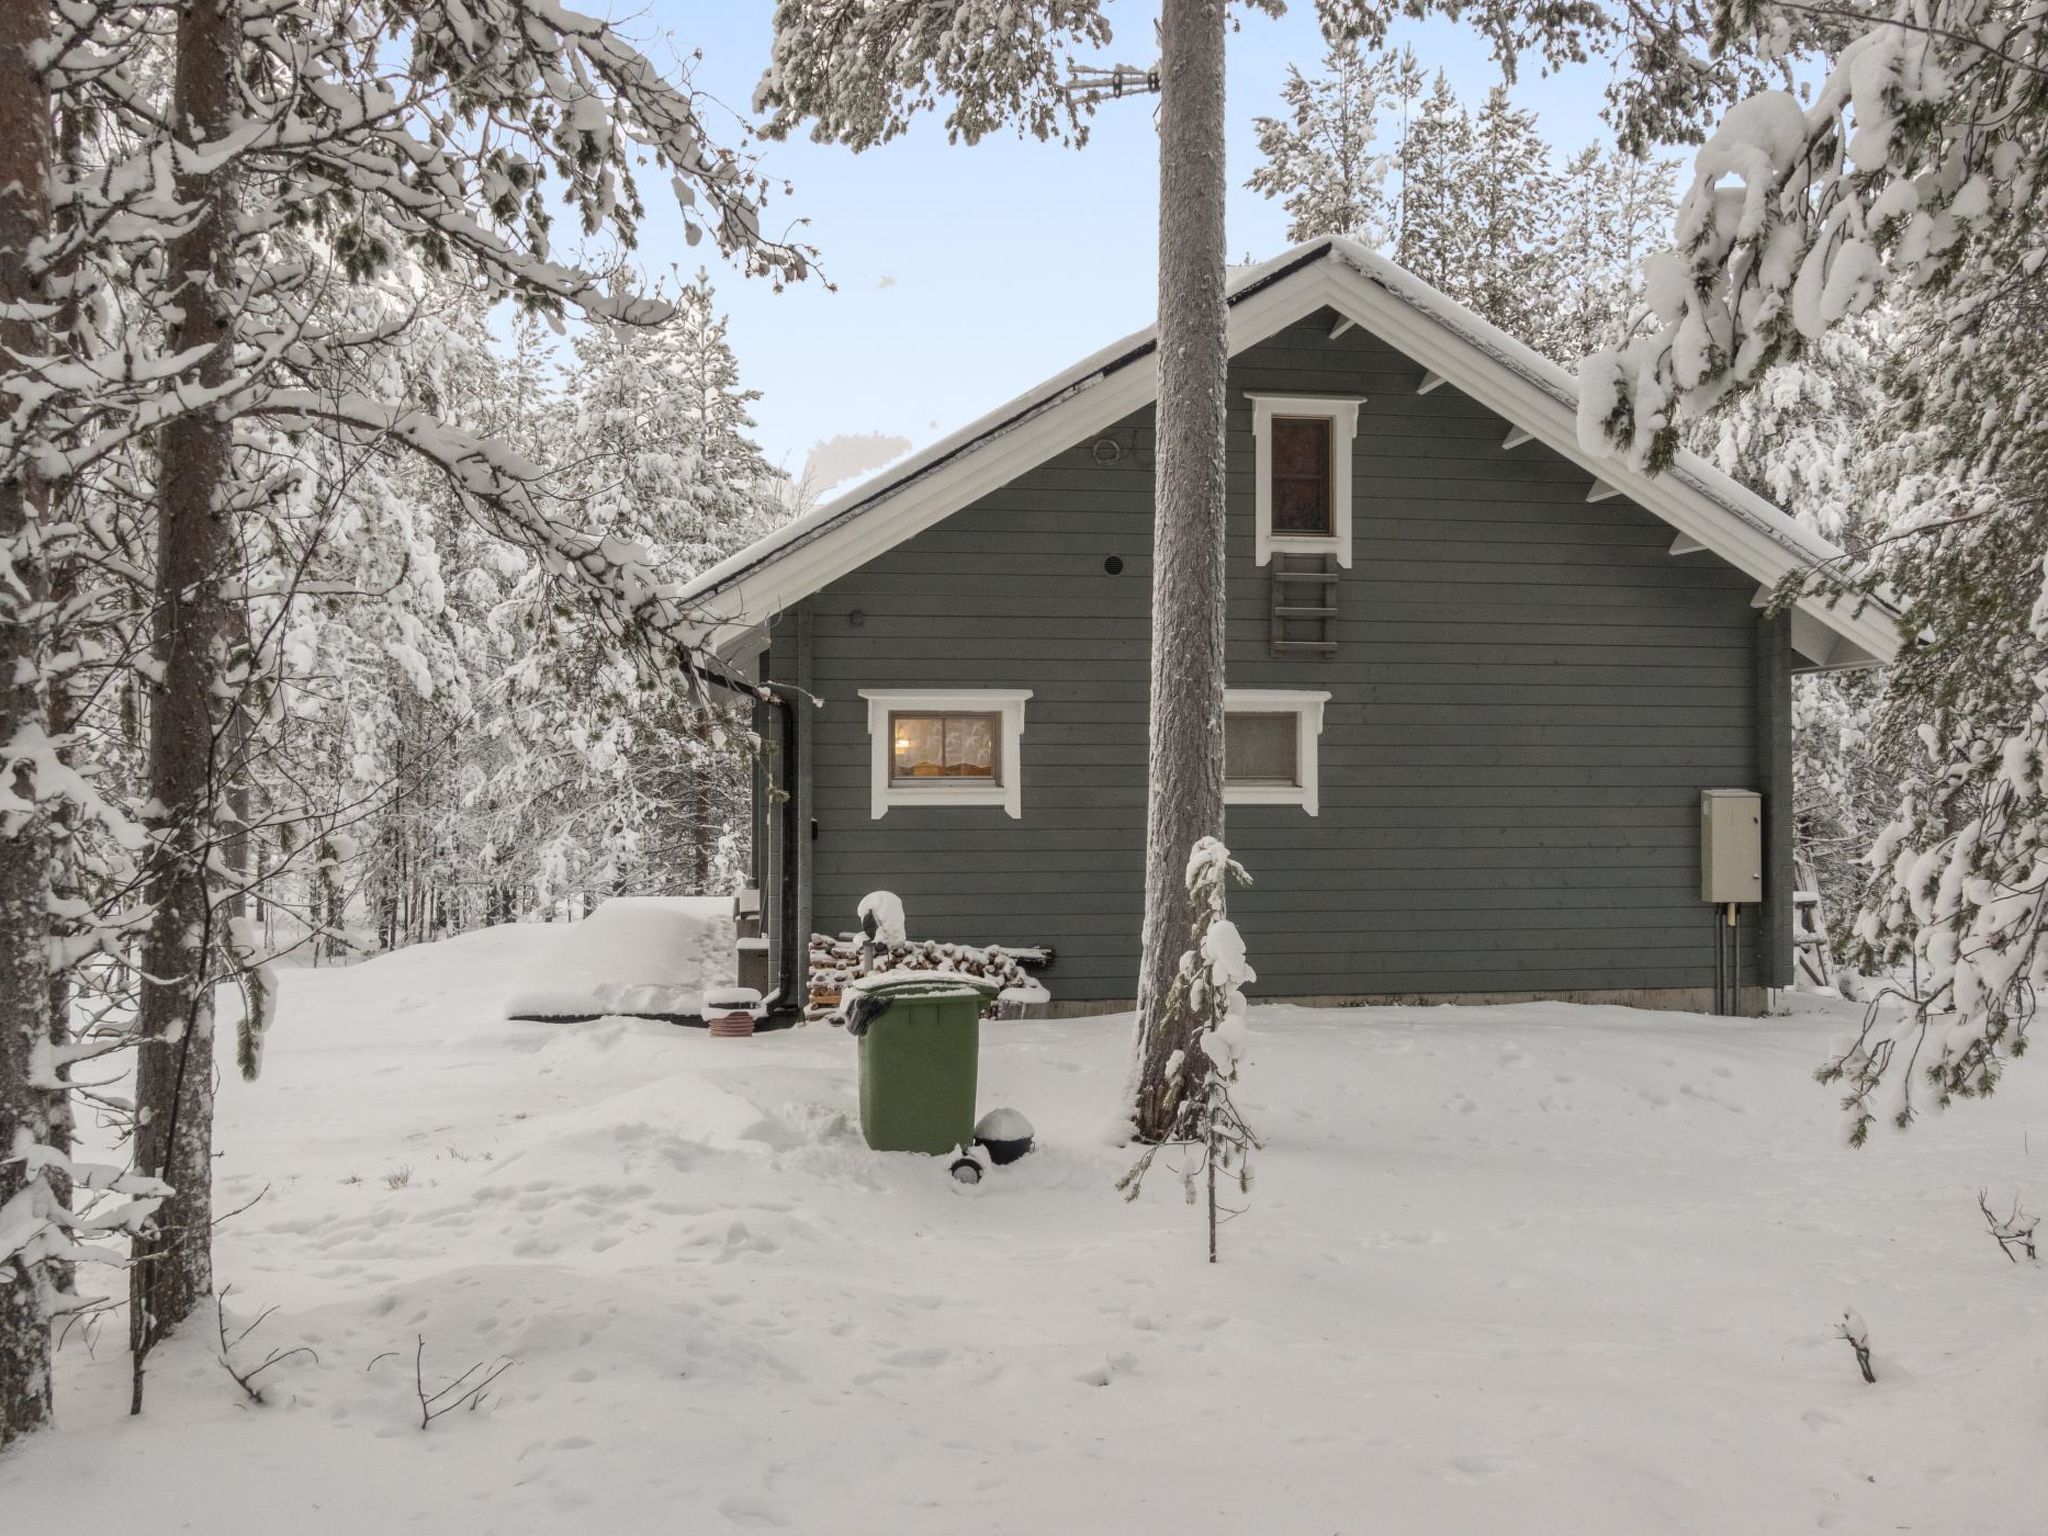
792 989
785 1005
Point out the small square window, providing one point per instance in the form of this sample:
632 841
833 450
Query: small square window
956 747
1262 748
1271 737
1301 476
946 747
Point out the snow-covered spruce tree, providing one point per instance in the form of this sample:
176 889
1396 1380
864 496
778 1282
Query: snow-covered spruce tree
1509 193
1917 171
1477 208
1817 436
1210 987
1613 209
1434 237
1322 161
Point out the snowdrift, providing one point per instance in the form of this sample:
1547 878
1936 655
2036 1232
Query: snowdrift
641 956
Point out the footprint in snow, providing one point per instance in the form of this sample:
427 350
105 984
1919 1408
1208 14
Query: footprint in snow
752 1513
1479 1465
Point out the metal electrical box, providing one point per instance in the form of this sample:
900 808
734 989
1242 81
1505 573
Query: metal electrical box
1731 846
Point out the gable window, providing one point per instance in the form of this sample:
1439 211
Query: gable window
944 746
1301 476
1302 489
1270 737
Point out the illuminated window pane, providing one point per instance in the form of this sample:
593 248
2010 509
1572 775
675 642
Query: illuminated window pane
971 746
943 747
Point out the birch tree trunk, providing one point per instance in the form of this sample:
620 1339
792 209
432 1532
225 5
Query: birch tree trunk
25 160
173 1274
1186 771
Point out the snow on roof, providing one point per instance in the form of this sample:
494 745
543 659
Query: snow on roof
1435 331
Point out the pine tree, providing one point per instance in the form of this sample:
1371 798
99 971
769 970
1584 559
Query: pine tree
1320 160
1184 771
221 432
1815 438
1917 171
27 154
1434 240
1612 209
1507 193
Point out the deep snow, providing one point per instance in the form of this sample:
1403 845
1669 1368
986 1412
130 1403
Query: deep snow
1530 1269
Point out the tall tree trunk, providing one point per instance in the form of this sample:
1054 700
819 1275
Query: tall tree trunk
173 1274
25 160
63 706
1186 802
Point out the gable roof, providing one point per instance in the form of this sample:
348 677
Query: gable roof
1707 510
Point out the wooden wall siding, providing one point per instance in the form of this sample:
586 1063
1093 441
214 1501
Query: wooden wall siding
1528 694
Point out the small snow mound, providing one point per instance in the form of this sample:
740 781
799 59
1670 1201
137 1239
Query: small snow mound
1003 1125
886 908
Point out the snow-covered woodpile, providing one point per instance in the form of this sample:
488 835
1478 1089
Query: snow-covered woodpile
835 961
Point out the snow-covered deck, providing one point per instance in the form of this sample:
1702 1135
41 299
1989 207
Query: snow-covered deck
643 956
1533 1269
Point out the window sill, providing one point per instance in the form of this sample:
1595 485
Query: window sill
1265 794
1302 544
945 794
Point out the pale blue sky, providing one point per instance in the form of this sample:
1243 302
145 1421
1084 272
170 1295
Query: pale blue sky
967 274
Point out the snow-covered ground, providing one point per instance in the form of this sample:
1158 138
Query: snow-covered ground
1529 1269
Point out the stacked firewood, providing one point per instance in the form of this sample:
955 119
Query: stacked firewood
836 961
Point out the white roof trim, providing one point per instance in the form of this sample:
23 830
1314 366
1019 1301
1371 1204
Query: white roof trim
1529 391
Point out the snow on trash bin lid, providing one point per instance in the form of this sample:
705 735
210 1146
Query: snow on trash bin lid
903 983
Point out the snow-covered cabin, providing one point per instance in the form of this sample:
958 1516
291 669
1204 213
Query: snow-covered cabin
1479 675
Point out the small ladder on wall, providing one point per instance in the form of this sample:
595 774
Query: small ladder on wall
1304 589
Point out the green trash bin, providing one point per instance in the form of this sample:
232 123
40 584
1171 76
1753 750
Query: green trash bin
920 1036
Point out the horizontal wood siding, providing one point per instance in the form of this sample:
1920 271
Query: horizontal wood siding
1528 694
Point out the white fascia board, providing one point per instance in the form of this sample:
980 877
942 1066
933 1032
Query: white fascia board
778 582
1554 423
1079 402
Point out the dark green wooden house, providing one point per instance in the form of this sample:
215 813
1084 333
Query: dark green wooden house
1479 675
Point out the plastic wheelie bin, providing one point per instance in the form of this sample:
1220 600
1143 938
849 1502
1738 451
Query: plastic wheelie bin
920 1037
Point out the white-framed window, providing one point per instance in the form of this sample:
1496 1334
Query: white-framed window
1302 495
1270 740
946 746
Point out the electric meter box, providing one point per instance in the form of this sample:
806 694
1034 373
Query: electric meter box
1731 846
